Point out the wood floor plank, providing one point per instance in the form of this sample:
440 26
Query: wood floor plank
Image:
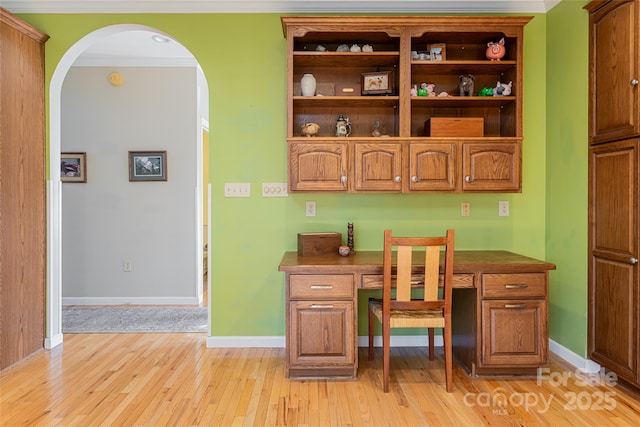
173 379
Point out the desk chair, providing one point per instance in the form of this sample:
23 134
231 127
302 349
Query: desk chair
401 311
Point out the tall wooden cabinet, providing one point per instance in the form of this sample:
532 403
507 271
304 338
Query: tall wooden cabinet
407 158
22 189
614 158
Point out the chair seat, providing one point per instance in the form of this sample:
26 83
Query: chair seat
425 318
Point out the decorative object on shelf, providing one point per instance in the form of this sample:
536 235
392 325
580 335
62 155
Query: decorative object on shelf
147 166
414 90
443 94
350 243
496 50
427 89
437 51
486 91
367 48
377 83
466 84
344 250
321 48
355 48
343 48
343 126
376 129
308 85
73 167
310 129
502 89
414 55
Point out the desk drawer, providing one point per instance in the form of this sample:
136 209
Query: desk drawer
374 281
517 285
304 286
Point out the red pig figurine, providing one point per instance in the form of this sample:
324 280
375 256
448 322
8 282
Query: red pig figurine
496 50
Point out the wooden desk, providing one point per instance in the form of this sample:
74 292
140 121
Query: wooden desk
500 305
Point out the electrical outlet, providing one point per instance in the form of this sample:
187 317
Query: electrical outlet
274 189
311 208
465 209
503 208
237 189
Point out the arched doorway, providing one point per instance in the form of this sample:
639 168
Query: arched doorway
54 187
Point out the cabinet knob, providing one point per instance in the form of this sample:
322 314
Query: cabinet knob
343 179
414 178
397 178
634 82
468 178
633 261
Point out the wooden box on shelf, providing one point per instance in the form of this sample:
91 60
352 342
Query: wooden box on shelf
454 126
323 243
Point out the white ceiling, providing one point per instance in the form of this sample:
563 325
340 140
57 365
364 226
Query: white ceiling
136 48
276 6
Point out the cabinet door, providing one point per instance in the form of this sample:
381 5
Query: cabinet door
491 166
322 333
318 167
432 166
614 71
514 332
613 269
378 167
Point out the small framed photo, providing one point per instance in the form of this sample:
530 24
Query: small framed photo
378 83
437 51
147 165
73 167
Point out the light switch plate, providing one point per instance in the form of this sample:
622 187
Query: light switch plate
237 189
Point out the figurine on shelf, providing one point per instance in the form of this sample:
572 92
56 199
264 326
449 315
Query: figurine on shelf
486 91
321 48
495 50
367 48
376 129
343 48
414 90
502 89
466 84
310 129
355 48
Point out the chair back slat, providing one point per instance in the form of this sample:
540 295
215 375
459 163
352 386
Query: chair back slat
431 273
403 273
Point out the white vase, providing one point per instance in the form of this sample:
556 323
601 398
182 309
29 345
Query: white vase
308 85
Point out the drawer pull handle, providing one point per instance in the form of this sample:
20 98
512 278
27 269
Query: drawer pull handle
518 286
515 305
321 286
321 305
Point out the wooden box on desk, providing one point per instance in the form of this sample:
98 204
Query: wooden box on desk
322 243
454 126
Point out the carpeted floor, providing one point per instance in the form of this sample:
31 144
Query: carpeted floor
133 319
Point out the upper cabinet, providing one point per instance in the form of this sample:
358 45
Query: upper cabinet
614 62
404 104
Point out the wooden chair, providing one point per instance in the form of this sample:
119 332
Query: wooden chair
433 311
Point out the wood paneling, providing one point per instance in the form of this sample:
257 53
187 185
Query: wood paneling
22 190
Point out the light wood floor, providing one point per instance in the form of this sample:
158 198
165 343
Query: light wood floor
174 380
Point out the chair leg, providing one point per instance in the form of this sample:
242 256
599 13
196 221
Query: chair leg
371 326
386 344
431 344
448 357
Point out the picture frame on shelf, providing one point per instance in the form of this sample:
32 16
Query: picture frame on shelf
73 167
147 166
437 51
377 83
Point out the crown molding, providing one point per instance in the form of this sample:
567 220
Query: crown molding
276 6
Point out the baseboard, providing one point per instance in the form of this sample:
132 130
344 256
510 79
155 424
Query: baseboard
54 341
576 360
130 300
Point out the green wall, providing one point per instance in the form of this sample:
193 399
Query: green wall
566 187
243 58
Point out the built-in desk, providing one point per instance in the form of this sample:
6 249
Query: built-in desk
500 304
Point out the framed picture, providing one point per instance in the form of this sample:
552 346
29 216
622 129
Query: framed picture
378 83
73 167
147 165
437 51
